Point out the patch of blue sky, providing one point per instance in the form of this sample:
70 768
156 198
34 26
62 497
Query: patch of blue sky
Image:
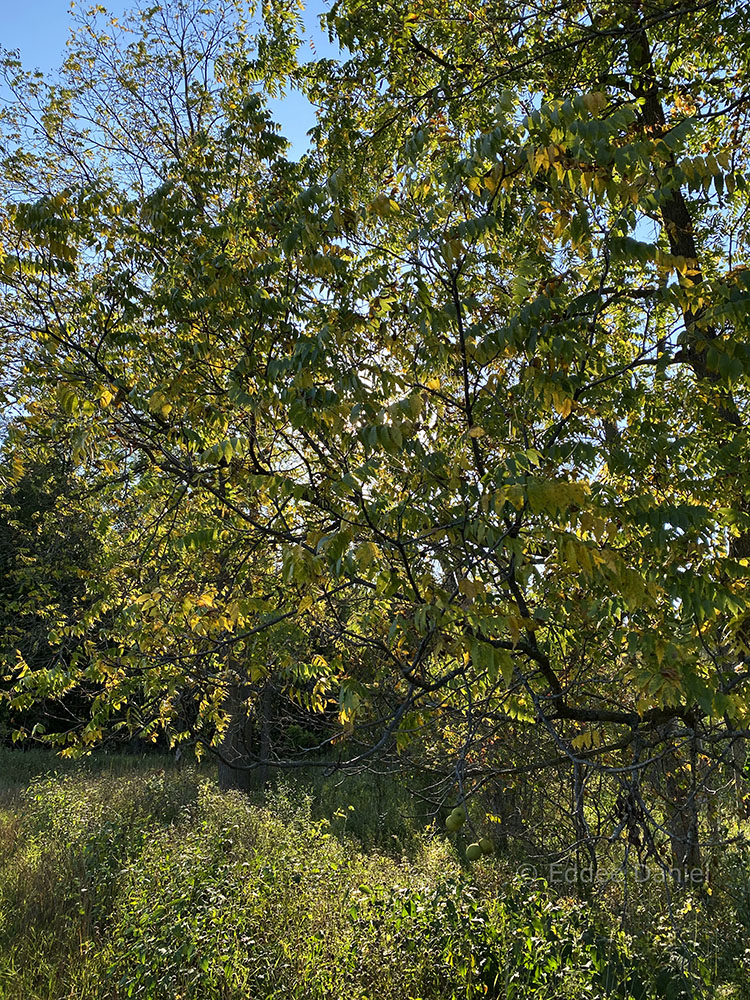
38 29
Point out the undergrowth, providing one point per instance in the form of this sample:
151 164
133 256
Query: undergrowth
147 882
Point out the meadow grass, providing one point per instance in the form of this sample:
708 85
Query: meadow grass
127 877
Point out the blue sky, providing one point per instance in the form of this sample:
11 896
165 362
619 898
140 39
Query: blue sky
39 28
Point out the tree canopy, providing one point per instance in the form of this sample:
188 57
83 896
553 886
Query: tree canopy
443 429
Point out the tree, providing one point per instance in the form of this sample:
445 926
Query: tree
467 386
48 547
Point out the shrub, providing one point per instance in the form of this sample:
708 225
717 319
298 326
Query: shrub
155 885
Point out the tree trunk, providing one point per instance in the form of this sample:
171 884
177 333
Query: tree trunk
264 724
681 789
234 749
247 744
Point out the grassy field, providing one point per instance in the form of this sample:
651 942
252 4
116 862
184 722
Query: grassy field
126 877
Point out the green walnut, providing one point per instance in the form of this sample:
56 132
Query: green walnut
473 852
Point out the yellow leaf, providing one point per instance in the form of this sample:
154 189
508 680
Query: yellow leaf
514 624
476 432
586 520
595 102
566 407
307 602
468 589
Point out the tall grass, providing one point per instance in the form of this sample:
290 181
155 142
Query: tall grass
131 879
